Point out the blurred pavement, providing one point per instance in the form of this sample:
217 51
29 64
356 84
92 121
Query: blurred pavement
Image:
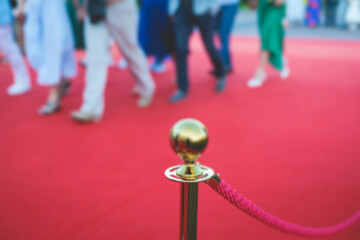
246 25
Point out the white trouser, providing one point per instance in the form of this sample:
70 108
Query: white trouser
12 52
122 24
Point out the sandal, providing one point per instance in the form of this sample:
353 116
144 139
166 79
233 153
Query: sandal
49 108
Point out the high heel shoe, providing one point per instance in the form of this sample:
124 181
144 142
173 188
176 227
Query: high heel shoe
49 108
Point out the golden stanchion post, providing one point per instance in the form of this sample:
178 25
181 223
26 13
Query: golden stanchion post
188 139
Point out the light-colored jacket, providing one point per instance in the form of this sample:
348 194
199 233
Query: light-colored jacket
200 7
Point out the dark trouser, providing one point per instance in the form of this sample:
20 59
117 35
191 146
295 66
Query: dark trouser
224 23
184 22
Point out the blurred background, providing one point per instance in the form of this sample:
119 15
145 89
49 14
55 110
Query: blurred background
290 144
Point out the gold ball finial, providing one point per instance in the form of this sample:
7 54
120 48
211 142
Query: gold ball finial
188 139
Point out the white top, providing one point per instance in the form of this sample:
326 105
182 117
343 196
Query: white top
228 2
295 10
353 12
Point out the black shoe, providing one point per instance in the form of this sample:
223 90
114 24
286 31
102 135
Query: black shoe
221 84
177 96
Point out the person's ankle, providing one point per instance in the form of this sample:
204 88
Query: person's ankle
53 98
259 73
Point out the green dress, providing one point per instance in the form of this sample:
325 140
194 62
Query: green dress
272 31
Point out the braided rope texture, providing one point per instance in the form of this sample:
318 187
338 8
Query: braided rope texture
245 205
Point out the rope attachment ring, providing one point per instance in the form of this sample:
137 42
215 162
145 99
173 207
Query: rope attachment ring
206 174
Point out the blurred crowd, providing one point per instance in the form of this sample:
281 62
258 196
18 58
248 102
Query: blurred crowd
48 32
344 14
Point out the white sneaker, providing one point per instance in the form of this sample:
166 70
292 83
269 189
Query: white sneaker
285 73
84 117
18 88
122 64
144 101
257 81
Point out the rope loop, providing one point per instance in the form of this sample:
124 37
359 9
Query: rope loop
245 205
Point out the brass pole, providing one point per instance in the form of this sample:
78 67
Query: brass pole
188 211
188 139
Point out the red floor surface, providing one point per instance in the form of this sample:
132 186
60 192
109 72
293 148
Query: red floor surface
291 146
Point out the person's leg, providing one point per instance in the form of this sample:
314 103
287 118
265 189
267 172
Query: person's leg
52 104
183 28
226 24
264 58
68 71
334 7
340 14
122 22
96 37
206 25
327 12
53 95
285 71
49 71
260 74
330 13
218 19
13 54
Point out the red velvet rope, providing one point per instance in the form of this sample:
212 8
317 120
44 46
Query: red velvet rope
254 211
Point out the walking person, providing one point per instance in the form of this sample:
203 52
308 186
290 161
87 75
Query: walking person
341 14
353 15
224 23
49 47
21 79
330 12
187 14
156 34
295 12
271 25
19 23
313 10
77 26
118 18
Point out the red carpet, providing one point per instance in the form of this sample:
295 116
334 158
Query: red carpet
291 146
